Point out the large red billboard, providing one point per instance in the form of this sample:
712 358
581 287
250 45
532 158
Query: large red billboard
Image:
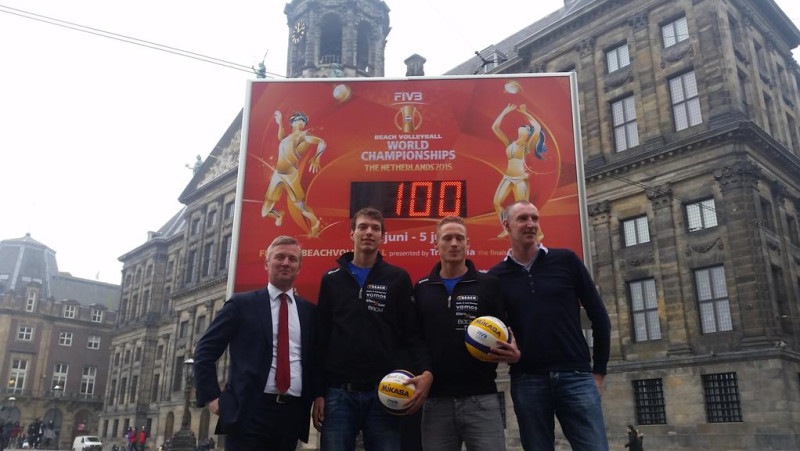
315 151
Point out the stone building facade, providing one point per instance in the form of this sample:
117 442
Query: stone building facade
55 333
690 142
175 283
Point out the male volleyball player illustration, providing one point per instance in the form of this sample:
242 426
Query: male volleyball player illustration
529 136
287 176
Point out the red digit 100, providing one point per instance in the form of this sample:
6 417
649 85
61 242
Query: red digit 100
419 199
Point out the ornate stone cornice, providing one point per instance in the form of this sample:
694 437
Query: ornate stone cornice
676 53
599 208
703 248
618 78
779 192
740 174
639 21
538 67
660 196
585 47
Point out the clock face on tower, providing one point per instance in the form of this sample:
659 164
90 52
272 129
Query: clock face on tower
298 32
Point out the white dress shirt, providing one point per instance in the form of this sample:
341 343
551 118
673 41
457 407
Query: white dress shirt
296 386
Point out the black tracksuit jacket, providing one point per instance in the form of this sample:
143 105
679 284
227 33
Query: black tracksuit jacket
444 320
362 334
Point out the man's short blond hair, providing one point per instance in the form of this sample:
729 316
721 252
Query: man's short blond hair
283 239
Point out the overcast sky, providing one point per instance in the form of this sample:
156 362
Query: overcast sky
95 133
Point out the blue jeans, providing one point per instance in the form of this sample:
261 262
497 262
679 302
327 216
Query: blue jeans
347 412
572 397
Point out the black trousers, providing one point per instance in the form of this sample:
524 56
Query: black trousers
274 425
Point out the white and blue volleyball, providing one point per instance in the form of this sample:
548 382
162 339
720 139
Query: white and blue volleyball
482 334
393 393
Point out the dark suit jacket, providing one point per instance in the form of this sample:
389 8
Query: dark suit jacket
245 324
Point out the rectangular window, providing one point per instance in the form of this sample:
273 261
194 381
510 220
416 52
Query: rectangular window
793 138
123 387
701 215
30 302
87 381
770 117
229 210
134 389
617 58
195 226
794 236
159 352
190 262
766 214
226 246
60 371
743 92
115 429
112 393
170 268
105 428
685 101
137 355
97 315
94 342
760 58
636 231
25 333
675 32
65 338
127 358
644 308
177 375
207 251
712 297
183 330
626 134
211 218
200 325
116 359
649 397
17 375
154 390
69 311
722 398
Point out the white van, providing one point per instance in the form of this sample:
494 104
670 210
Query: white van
87 443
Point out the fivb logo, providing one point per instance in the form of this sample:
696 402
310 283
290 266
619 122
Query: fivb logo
407 96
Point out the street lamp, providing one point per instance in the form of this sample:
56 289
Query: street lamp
57 391
184 439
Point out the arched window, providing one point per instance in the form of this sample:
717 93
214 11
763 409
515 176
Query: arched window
169 425
330 50
363 47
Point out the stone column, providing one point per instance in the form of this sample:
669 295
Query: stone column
747 272
665 227
603 269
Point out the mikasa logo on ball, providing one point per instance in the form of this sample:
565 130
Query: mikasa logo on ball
386 388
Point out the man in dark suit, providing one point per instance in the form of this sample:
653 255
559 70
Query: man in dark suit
265 404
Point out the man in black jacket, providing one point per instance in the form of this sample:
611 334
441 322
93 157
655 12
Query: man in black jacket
463 405
266 401
365 327
556 374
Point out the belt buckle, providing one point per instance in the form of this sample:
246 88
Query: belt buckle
281 399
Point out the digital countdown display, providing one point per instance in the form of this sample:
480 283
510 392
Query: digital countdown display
314 151
418 199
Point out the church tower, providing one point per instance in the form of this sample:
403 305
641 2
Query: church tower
336 38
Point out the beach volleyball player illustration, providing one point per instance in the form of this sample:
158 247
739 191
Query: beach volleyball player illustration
286 175
530 136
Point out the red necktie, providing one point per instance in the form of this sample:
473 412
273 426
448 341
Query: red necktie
282 371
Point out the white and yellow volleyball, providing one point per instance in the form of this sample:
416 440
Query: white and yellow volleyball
393 393
341 93
482 334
